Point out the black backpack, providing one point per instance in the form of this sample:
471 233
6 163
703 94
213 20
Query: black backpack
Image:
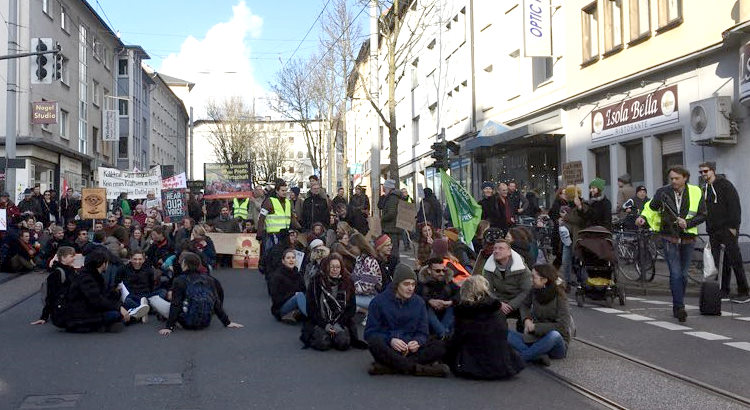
58 294
198 305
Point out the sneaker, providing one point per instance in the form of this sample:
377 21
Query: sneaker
432 370
139 312
543 360
377 369
290 318
681 315
741 299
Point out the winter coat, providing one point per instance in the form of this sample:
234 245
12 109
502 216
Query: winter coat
723 206
389 206
517 201
512 287
479 347
322 311
441 290
387 267
598 212
431 211
54 285
49 210
367 277
195 210
491 213
549 311
665 197
31 205
69 208
359 203
226 225
315 209
390 317
137 281
180 236
138 244
88 299
158 253
283 284
358 221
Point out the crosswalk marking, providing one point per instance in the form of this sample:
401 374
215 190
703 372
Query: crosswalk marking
656 302
729 314
669 325
636 299
739 345
746 319
637 318
707 335
607 310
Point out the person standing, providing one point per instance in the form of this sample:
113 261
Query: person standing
69 206
388 204
723 218
340 198
315 208
491 208
430 210
275 216
505 206
680 208
597 211
625 191
360 202
518 202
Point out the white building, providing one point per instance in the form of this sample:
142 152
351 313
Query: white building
169 125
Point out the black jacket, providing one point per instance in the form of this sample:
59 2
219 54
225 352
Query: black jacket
54 285
358 221
88 299
479 347
723 207
598 212
431 211
315 209
315 318
491 213
31 205
69 208
139 282
179 288
283 284
441 290
664 201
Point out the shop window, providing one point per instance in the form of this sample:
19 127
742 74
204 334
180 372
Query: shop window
634 163
670 14
612 26
640 20
590 33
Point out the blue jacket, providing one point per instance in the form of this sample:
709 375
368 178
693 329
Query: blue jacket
389 317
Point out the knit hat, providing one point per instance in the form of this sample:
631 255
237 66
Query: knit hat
389 184
382 241
488 184
295 190
598 183
625 178
640 188
440 247
315 243
401 273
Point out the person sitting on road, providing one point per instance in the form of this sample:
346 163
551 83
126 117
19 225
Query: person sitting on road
287 289
195 298
545 318
523 243
441 294
159 251
318 231
91 307
424 246
387 259
311 265
225 223
204 246
367 278
441 249
137 240
65 257
342 246
50 248
137 280
479 346
509 278
287 240
397 331
331 308
19 257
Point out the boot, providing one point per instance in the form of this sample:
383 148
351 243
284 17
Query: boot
543 360
432 370
377 369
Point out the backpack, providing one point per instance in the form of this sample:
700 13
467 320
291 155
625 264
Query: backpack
198 305
59 292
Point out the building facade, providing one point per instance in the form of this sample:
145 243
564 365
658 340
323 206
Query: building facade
134 86
169 126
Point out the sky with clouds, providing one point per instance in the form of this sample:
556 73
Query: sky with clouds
226 47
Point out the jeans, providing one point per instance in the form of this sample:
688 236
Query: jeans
678 257
297 301
551 344
732 261
363 301
567 263
134 300
438 326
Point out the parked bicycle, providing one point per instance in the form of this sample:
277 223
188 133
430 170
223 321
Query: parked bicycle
637 252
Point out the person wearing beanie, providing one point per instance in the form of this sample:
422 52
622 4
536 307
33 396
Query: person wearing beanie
597 211
625 191
430 210
397 331
387 257
491 207
388 205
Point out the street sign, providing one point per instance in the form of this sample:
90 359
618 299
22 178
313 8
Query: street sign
19 163
572 173
110 125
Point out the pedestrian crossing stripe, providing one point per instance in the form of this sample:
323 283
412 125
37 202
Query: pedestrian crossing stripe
669 325
707 336
637 318
739 345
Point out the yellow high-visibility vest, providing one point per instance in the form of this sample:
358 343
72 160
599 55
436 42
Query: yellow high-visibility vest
240 208
654 218
281 217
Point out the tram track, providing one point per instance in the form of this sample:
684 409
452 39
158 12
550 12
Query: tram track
583 390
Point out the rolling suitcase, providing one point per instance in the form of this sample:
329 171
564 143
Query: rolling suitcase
710 296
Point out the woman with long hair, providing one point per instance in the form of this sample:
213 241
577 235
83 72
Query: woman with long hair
287 290
546 319
367 277
479 347
342 245
424 247
203 245
331 307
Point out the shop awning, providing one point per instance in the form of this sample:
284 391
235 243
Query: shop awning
494 133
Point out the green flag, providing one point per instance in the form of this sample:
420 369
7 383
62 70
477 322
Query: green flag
465 211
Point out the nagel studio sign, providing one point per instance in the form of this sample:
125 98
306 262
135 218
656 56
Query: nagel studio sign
44 112
635 114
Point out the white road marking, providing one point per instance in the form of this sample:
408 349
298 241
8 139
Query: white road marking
729 314
669 325
607 310
707 336
637 318
691 307
739 345
656 302
636 299
746 319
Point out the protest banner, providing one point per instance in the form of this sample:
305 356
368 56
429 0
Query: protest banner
174 182
407 216
175 205
93 203
136 184
572 173
244 248
226 181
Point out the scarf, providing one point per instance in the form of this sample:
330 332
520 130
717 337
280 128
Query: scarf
330 307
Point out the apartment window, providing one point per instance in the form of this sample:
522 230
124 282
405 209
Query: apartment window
415 131
300 155
542 70
291 140
105 56
590 32
670 14
291 170
63 18
122 66
64 70
515 68
64 121
123 147
122 106
95 139
612 26
45 6
96 94
640 19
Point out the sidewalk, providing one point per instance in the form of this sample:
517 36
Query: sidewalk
660 284
18 289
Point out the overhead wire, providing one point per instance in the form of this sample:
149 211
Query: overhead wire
308 32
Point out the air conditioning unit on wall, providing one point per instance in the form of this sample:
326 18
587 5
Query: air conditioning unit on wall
712 122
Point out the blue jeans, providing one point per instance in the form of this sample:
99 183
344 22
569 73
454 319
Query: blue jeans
297 301
567 263
551 344
678 261
363 301
134 300
440 327
110 317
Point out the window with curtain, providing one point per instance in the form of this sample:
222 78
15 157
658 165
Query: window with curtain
670 13
640 19
612 25
590 32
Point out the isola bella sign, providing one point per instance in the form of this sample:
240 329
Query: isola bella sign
635 114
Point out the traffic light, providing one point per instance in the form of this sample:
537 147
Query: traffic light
58 62
41 69
440 155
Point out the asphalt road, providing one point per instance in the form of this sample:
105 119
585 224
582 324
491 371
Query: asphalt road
259 366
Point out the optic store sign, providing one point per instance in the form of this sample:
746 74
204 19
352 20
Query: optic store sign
537 30
635 114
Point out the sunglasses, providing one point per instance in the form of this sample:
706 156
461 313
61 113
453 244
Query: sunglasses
438 270
703 171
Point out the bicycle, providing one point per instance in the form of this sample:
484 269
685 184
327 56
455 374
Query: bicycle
636 254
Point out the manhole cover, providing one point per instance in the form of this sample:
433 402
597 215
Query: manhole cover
158 379
51 401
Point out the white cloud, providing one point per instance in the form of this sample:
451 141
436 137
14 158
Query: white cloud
219 63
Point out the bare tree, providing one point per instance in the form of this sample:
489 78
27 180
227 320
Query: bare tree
401 30
272 154
232 135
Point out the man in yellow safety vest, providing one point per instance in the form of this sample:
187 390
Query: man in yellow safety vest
677 209
239 208
275 216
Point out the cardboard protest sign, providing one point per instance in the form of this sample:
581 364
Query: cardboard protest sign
226 181
175 205
136 184
94 203
244 248
572 173
174 182
407 216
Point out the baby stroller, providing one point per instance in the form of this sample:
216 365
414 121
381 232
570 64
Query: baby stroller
597 267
